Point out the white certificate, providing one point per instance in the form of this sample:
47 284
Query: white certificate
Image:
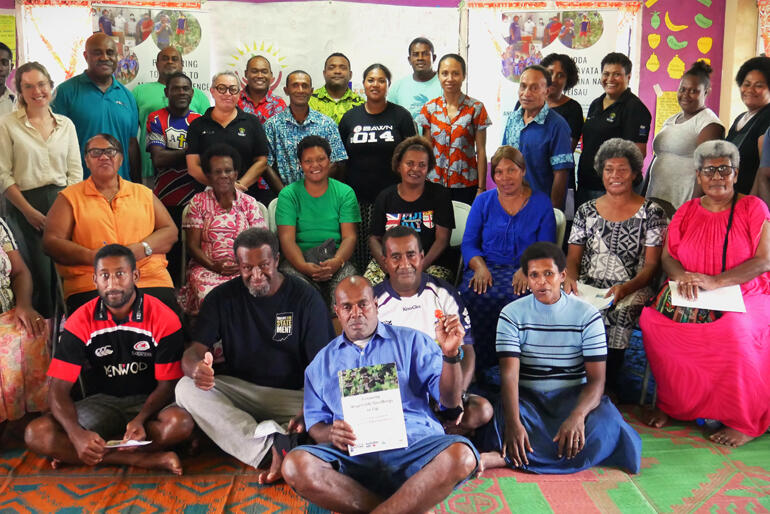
726 299
371 405
594 296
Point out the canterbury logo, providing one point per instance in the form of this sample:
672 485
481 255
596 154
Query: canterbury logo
103 351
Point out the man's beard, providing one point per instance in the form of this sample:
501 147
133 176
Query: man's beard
258 291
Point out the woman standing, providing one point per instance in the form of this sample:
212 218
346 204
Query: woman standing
616 113
564 76
746 132
370 133
456 125
40 157
672 175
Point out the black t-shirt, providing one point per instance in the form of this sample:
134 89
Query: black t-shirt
627 118
123 357
244 133
573 113
268 340
747 141
433 208
369 140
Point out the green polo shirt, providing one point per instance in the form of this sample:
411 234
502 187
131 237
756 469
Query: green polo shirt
325 104
96 112
150 98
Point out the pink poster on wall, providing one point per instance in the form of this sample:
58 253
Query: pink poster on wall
675 34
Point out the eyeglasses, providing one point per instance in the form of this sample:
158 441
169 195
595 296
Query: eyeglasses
724 171
6 62
98 152
223 89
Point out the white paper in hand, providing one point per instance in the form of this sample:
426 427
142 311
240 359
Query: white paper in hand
594 296
725 299
116 443
371 405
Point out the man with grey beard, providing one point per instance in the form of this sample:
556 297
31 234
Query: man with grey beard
270 326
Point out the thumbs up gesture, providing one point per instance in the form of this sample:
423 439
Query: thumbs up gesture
203 376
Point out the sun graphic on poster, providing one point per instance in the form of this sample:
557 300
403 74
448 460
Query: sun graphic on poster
270 51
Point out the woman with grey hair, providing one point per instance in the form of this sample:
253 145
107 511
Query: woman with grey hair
226 123
708 363
615 244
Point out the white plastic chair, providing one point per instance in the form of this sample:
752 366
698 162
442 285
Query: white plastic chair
461 211
561 226
271 215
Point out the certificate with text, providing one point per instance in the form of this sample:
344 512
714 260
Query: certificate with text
371 405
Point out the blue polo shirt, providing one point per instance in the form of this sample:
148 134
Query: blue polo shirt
545 143
418 361
94 112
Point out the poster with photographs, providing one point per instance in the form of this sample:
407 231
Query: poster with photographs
140 33
511 38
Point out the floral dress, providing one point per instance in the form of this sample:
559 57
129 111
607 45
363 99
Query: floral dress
219 228
613 253
24 359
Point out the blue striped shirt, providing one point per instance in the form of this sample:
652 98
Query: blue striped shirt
552 341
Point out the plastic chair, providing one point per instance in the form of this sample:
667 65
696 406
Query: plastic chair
461 211
265 212
561 226
271 215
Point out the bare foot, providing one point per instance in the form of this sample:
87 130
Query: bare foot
655 417
163 460
491 460
730 437
55 463
274 474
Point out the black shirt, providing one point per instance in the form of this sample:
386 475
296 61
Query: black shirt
123 357
369 140
573 113
747 141
433 208
266 340
627 118
244 133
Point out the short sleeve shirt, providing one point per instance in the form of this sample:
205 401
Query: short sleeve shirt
627 118
369 140
266 340
284 134
435 298
544 142
173 186
454 140
317 219
268 107
432 209
412 95
126 357
335 109
94 112
244 133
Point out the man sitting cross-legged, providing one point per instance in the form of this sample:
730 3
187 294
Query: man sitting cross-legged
410 479
133 345
271 326
412 298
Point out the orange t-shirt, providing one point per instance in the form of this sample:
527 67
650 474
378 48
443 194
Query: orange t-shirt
128 219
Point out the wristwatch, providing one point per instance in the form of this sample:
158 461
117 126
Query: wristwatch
454 360
147 248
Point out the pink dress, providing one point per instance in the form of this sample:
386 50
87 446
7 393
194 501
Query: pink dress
718 370
219 228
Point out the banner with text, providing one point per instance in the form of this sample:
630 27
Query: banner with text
504 38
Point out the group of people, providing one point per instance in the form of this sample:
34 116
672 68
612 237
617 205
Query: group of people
283 206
